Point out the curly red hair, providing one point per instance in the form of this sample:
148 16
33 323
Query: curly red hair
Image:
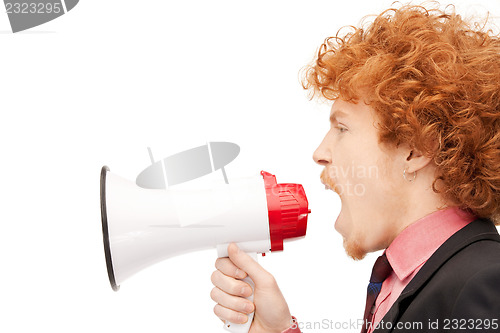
434 81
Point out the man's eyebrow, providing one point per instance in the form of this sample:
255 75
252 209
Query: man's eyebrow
337 113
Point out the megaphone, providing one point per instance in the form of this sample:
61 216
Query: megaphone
143 226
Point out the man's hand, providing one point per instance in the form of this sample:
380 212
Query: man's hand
271 310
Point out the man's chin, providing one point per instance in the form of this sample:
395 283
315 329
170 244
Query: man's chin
354 249
351 244
338 224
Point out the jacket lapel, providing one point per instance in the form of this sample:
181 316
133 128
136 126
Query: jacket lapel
477 230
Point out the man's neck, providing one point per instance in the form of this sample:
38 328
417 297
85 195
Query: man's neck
421 203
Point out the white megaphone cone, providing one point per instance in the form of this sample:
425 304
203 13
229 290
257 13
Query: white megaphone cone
144 226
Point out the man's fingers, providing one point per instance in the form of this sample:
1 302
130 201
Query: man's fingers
230 315
234 303
231 285
247 264
228 268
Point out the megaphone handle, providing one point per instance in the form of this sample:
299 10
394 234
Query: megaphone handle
244 328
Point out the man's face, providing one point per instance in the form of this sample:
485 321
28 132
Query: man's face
366 175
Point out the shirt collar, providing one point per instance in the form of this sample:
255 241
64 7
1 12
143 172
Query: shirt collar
415 244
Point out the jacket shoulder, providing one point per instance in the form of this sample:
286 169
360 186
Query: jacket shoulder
461 281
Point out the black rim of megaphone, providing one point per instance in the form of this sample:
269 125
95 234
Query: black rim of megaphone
105 232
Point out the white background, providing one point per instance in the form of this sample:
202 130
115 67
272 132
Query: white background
110 78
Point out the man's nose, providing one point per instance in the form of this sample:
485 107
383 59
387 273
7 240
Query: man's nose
322 154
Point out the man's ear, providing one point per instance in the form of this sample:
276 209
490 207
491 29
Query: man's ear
415 160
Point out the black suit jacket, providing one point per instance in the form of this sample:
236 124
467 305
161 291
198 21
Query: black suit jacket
457 289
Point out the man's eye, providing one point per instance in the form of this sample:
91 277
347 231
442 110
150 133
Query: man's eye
342 129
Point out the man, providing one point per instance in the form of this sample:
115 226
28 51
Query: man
417 113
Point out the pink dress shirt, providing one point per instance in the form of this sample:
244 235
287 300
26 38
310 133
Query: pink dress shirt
408 253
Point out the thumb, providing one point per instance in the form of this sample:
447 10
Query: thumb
246 263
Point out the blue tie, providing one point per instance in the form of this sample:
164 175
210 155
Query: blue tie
381 270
